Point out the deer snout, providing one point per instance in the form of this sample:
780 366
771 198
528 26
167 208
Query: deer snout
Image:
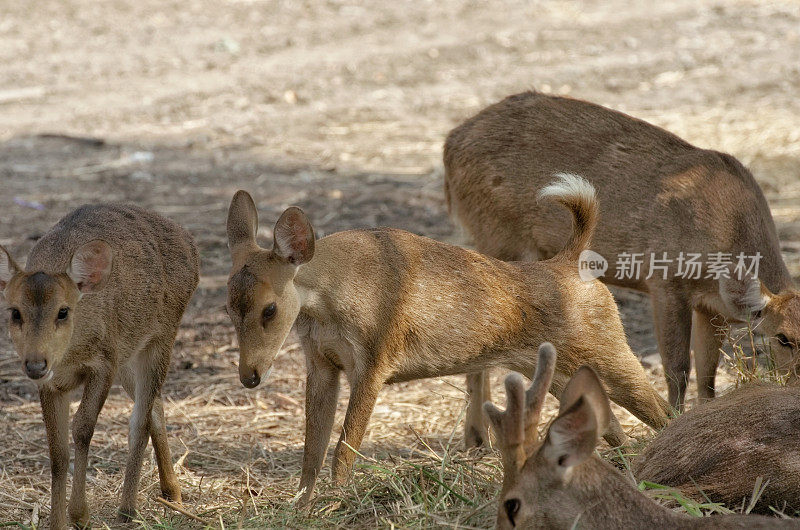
250 380
36 368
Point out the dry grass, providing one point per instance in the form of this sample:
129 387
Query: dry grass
341 109
238 457
238 452
747 366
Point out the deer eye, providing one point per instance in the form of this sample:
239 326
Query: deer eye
512 509
63 313
783 340
16 316
269 312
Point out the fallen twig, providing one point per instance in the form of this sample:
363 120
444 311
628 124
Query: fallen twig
181 510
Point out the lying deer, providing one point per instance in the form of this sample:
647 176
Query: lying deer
661 197
720 449
385 306
560 482
101 297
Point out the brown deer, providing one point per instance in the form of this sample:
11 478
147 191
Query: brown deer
101 297
385 306
560 482
661 197
720 449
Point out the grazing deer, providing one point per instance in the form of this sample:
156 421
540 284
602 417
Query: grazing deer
385 306
560 482
720 449
101 297
663 199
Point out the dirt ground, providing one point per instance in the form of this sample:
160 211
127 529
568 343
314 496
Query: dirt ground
340 108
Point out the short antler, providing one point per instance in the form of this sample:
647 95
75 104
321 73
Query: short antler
534 397
515 427
509 425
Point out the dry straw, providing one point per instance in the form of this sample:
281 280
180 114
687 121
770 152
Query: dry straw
238 452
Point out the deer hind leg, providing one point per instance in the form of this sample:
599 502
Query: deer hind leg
168 480
614 435
149 369
476 428
628 386
706 344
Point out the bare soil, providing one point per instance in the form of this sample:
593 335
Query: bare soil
340 108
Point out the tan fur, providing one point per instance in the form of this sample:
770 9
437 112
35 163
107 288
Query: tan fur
385 306
560 483
722 447
126 276
657 194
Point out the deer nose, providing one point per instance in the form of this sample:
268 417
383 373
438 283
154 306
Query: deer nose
36 369
251 381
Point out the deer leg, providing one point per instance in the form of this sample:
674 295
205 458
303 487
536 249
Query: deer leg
476 428
167 479
148 373
673 326
322 392
55 410
706 344
363 395
95 392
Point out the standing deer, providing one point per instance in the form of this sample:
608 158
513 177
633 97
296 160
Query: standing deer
101 297
720 449
385 306
661 197
560 483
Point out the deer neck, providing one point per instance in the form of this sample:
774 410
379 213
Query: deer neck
611 500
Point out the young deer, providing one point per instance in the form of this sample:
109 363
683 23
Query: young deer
385 306
721 448
660 195
560 482
101 297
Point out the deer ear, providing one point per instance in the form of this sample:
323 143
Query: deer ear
572 437
584 415
242 220
585 383
90 266
743 296
8 268
294 237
